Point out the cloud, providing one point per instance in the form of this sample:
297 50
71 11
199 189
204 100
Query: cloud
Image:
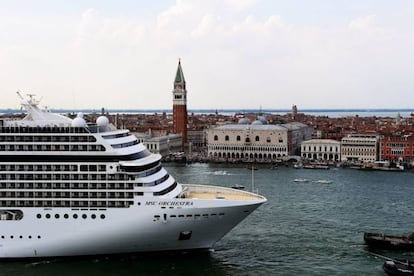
232 56
362 23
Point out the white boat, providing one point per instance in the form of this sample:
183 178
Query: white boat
70 188
301 180
323 181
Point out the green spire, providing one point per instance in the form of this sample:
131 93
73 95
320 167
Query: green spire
179 77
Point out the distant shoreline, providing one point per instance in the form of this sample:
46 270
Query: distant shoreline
334 113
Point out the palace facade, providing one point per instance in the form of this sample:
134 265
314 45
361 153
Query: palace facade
256 142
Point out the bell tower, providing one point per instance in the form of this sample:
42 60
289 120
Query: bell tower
180 104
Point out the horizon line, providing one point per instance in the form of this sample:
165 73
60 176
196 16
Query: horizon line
241 110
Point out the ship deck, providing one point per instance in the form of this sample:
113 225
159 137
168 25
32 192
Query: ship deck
214 192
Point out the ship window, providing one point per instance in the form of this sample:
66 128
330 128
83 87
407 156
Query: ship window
48 216
38 237
75 216
102 216
84 216
66 216
93 216
30 237
57 216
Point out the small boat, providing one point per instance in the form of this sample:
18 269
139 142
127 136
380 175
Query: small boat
382 241
301 180
298 166
324 181
316 166
398 267
238 187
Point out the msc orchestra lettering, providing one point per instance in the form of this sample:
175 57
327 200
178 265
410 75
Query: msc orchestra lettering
170 203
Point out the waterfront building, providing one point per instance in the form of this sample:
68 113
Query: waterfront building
196 140
298 132
359 148
256 141
249 143
180 104
163 145
397 149
321 149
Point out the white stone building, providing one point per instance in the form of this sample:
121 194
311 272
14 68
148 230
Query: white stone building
321 150
360 148
163 145
255 142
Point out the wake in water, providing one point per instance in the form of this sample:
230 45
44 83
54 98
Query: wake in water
219 173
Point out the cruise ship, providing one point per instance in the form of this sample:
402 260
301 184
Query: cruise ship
74 188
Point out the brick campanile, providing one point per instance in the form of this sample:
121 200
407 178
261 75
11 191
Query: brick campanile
180 104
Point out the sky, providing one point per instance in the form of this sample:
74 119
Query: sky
237 54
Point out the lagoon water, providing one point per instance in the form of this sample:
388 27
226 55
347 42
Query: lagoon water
304 229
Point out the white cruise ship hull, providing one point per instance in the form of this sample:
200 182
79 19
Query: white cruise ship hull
146 227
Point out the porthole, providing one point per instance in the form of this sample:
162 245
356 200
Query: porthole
84 216
21 237
66 216
57 216
75 216
93 216
102 216
30 237
2 237
39 216
38 237
11 237
47 216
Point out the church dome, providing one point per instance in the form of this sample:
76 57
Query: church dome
262 119
244 121
257 122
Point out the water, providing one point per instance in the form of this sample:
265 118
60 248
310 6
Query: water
304 228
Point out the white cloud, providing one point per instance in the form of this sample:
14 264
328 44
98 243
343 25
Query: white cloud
362 22
232 58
